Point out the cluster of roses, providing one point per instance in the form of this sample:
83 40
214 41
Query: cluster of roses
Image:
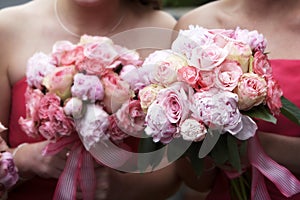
205 81
79 89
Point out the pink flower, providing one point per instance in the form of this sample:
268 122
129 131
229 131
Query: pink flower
38 66
158 126
256 41
91 66
208 57
93 125
228 75
87 87
252 91
206 80
114 131
239 52
30 124
116 92
174 102
148 94
65 53
162 66
74 107
274 94
216 109
134 77
53 121
60 81
131 118
261 65
8 171
192 130
188 74
128 57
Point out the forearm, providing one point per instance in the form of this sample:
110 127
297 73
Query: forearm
202 183
157 185
282 149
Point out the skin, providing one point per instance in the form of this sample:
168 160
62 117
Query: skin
33 27
279 22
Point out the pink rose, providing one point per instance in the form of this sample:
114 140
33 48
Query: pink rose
8 171
131 118
252 91
228 75
192 130
148 94
206 80
65 53
188 74
38 66
158 126
261 65
162 66
114 131
60 81
116 92
53 121
174 101
239 52
208 57
87 87
91 66
274 94
93 125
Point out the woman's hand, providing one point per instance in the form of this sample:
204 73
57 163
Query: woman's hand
31 162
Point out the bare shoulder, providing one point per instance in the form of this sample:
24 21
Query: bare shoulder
153 18
206 15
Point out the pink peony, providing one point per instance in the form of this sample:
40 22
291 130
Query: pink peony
158 126
38 66
192 130
256 41
60 81
228 75
87 87
74 107
252 91
53 121
206 80
93 125
65 53
134 77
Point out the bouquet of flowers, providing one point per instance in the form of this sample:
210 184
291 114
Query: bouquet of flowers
8 171
76 96
207 89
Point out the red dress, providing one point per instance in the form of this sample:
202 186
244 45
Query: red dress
287 73
36 188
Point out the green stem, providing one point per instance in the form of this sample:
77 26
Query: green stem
236 189
243 187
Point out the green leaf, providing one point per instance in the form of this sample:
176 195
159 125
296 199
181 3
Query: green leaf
261 112
234 156
176 148
209 142
197 163
220 152
290 110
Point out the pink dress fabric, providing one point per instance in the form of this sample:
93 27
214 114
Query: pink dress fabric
287 73
36 188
